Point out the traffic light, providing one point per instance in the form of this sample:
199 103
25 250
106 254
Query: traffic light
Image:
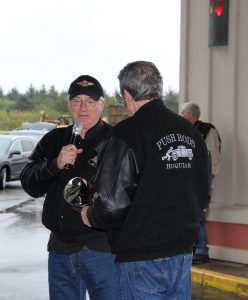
218 22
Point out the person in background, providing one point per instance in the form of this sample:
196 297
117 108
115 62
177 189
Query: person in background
191 112
151 185
80 258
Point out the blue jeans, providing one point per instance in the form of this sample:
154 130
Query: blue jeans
70 275
200 246
159 279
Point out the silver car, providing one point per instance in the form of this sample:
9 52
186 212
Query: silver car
37 134
14 155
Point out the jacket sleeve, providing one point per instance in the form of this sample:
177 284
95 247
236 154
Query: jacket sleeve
37 175
115 182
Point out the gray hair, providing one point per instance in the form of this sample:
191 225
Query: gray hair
142 80
192 108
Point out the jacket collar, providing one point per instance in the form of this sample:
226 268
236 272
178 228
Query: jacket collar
92 132
149 105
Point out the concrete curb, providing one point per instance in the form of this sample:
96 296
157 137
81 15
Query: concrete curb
230 283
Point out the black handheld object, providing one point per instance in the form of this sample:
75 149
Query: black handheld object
76 131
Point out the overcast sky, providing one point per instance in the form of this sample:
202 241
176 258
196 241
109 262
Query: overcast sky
52 42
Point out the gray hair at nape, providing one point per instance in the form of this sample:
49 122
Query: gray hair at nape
142 80
192 108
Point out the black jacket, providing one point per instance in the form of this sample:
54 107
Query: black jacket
41 176
151 184
204 128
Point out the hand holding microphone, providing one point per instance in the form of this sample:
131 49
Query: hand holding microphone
69 153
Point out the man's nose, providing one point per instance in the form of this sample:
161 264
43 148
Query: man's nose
83 105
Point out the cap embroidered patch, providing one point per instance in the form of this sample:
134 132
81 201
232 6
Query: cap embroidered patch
85 83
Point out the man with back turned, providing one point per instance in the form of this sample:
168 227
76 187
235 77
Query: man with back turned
151 183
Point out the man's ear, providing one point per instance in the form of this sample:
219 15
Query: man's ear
127 96
130 103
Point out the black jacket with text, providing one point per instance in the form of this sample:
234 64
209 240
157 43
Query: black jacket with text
152 182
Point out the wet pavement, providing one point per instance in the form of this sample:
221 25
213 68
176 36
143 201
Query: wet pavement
23 256
12 195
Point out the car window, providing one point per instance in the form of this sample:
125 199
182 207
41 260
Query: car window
17 146
28 146
4 145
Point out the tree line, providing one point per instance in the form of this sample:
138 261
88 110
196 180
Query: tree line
17 107
33 99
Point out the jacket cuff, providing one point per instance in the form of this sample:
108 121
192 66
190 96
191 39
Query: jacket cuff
52 168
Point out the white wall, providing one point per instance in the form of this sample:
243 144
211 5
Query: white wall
216 78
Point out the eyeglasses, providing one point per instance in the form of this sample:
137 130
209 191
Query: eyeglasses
119 98
78 102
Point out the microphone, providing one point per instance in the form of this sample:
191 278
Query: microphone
76 131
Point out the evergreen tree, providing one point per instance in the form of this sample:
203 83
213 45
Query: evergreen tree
43 91
1 93
52 92
31 92
23 103
13 94
171 100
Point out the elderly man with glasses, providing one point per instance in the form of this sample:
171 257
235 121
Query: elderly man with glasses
80 258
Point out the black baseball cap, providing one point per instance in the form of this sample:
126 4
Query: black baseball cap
86 85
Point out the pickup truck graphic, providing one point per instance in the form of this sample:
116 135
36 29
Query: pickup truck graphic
180 151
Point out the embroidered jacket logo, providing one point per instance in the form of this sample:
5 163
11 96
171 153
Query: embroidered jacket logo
180 151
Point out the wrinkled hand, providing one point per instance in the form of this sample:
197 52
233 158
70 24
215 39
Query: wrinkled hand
68 155
84 215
